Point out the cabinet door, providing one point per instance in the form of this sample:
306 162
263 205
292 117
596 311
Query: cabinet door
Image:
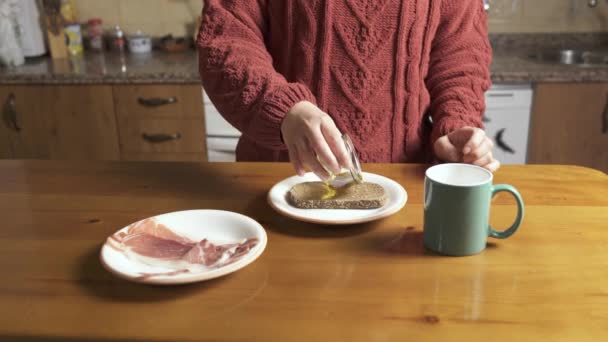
570 125
60 122
161 122
25 122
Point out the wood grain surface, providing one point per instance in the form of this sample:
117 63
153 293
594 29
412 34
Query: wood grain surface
370 282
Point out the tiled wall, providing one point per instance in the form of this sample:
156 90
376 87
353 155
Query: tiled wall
159 17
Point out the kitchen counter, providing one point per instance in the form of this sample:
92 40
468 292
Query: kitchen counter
510 65
365 282
514 66
107 68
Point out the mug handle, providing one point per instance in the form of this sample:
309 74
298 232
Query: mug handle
520 211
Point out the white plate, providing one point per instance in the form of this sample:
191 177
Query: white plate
277 200
217 226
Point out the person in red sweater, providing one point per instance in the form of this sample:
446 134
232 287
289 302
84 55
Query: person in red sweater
405 79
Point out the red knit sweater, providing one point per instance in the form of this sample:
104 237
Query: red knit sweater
377 67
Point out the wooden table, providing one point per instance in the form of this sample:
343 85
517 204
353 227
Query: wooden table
371 282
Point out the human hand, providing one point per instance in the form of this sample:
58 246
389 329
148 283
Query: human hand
467 145
309 133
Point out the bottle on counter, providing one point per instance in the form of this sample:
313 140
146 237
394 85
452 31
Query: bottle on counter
95 32
68 11
74 39
116 39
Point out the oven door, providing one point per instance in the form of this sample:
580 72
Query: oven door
221 149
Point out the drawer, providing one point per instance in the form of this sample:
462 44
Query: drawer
158 101
505 96
162 135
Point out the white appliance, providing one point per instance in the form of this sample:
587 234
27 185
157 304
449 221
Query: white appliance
507 121
31 36
222 137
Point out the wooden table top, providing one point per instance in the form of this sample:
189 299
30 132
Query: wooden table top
370 282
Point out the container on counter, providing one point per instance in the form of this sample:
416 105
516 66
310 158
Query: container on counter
116 39
68 11
74 39
95 31
140 43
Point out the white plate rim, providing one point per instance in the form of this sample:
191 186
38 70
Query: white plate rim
396 207
192 277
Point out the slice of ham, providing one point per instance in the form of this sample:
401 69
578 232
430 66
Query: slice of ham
154 247
151 227
211 255
155 243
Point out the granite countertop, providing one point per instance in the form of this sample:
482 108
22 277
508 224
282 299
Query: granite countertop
107 68
510 65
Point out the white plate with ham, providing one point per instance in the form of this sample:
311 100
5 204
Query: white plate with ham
184 247
397 198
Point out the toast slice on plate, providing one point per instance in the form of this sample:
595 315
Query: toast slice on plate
318 195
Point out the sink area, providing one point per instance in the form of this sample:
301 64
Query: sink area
575 57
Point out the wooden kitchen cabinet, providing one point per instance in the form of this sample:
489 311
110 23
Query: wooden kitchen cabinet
103 122
570 125
161 122
58 122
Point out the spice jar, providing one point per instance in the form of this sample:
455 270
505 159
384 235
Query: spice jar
116 39
95 31
140 43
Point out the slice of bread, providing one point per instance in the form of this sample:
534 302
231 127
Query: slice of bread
317 195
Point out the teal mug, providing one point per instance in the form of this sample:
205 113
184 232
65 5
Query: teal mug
457 209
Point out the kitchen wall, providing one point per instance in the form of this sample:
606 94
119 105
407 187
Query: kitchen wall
156 17
523 16
159 17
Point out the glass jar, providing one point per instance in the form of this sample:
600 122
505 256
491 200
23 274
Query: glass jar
346 176
95 31
116 39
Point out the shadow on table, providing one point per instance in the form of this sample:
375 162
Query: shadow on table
260 210
408 242
39 338
99 282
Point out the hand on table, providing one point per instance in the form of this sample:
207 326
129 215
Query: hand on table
467 145
309 132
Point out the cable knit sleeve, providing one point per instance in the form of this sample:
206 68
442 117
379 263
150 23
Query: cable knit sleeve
237 71
459 71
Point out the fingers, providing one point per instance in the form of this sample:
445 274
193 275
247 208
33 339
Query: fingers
308 157
483 160
321 149
493 166
296 161
333 137
480 151
476 139
444 150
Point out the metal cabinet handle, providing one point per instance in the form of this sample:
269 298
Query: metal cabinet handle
501 95
605 117
9 112
161 138
501 143
156 101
